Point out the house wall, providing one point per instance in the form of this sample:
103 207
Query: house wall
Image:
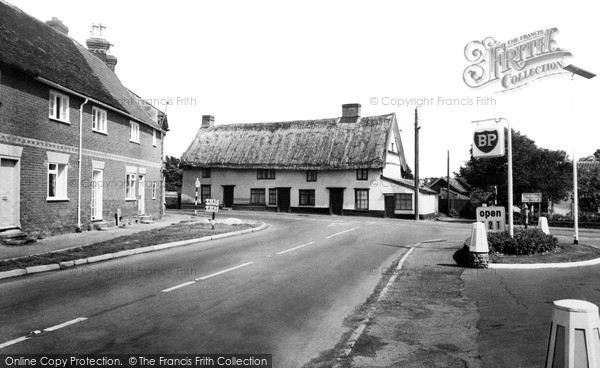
24 122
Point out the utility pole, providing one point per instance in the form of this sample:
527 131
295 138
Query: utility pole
448 183
417 127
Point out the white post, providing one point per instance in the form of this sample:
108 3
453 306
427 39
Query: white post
575 200
511 228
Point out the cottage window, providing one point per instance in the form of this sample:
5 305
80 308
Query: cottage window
205 193
154 190
154 137
134 132
362 174
57 181
257 196
206 172
404 201
272 196
59 107
130 187
307 197
361 199
99 120
263 174
311 175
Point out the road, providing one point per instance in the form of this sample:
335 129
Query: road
283 291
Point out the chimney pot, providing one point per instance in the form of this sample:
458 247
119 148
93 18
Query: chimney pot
208 121
350 113
58 25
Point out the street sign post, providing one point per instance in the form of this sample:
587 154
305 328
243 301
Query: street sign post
493 217
531 197
196 202
211 205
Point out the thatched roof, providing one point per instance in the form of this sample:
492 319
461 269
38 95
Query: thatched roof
326 144
32 48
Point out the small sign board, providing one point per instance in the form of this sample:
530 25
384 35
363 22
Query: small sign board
488 142
493 217
211 205
171 194
531 197
197 183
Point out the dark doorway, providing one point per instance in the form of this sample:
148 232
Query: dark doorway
228 196
336 201
283 199
390 206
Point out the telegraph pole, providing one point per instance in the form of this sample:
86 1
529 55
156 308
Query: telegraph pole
417 127
448 183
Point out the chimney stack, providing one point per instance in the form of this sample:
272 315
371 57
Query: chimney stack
208 121
99 46
350 113
58 25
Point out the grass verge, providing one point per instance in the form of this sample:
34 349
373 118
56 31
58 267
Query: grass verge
173 233
563 253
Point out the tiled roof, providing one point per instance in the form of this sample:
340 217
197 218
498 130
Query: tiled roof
300 145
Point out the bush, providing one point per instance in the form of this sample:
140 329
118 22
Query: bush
525 242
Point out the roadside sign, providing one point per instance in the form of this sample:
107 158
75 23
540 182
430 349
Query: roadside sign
488 142
197 183
531 197
493 217
211 205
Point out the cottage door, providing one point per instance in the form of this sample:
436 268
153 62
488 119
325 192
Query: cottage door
142 194
283 199
97 194
336 201
390 206
228 196
9 189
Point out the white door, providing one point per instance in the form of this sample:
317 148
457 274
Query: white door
9 189
142 194
97 193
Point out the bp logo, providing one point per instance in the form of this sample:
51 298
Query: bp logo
488 142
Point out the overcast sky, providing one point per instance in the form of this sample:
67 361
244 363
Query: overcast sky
262 61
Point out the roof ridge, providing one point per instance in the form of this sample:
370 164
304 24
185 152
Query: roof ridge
290 122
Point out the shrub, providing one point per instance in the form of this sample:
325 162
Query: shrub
525 242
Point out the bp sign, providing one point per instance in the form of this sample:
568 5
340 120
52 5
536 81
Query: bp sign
494 218
488 142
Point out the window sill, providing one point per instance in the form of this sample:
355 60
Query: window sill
60 120
306 205
53 199
130 199
361 209
99 131
138 142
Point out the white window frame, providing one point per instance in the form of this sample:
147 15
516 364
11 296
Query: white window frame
154 190
134 132
99 120
130 185
154 141
59 113
60 171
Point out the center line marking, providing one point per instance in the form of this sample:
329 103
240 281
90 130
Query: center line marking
294 248
341 232
68 323
15 341
222 272
178 286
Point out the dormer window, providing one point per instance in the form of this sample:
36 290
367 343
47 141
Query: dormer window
59 107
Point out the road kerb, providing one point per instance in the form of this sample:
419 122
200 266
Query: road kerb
124 253
533 266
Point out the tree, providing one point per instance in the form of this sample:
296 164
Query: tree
173 174
408 174
535 169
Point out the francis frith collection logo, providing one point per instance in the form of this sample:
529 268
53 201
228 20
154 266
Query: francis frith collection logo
514 63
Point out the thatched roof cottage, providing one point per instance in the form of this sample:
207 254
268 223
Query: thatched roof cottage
345 165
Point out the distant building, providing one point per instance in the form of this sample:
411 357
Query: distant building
75 144
459 189
351 165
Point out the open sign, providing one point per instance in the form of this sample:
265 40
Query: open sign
494 218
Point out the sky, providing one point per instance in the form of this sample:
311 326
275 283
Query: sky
264 61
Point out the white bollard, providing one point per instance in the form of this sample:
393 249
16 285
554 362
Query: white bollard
574 335
543 225
479 243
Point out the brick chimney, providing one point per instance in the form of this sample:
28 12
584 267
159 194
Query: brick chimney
208 121
350 113
58 25
99 46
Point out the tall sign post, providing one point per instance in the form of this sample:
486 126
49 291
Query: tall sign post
212 205
196 202
488 142
417 128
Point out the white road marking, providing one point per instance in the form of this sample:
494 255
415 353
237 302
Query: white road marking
68 323
222 272
178 286
15 341
294 248
341 232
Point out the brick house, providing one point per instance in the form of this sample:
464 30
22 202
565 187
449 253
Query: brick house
344 166
75 144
